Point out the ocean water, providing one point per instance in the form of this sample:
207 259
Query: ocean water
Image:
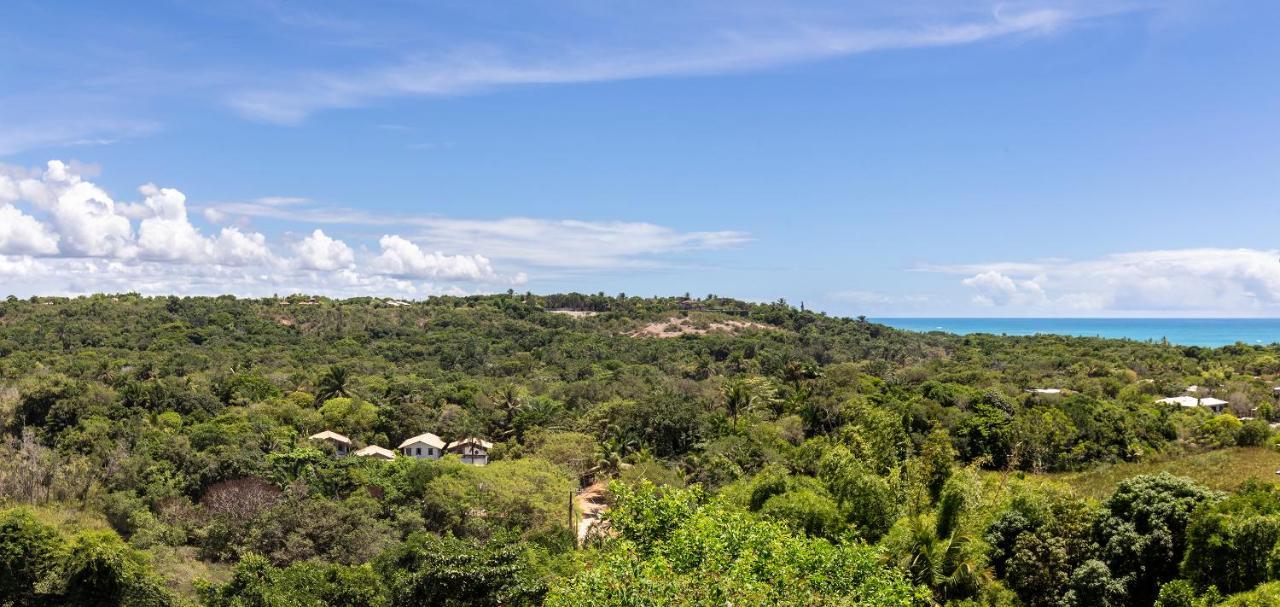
1210 332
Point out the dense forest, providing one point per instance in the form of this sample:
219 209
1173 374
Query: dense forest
646 451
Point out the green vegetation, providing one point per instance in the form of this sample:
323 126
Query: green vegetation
155 452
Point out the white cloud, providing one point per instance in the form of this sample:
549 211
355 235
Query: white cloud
403 258
996 289
22 233
84 216
549 243
20 266
56 221
571 244
75 276
236 248
213 215
167 235
320 252
1205 280
730 43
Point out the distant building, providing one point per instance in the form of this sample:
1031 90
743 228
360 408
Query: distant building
423 446
473 450
341 444
1045 390
376 452
1213 404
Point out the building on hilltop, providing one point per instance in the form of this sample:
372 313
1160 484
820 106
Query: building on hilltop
473 450
1212 404
341 444
377 452
423 446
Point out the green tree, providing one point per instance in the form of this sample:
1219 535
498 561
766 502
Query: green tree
334 383
1232 544
1142 532
674 551
431 571
29 551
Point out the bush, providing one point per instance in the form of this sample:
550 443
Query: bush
711 555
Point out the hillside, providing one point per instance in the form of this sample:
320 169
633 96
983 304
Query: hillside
183 424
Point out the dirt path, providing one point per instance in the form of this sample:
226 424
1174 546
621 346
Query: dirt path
591 503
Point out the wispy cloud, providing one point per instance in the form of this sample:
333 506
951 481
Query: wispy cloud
565 244
488 65
25 131
112 83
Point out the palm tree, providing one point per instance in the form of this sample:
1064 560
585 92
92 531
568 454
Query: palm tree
738 398
795 372
509 398
334 383
943 554
609 458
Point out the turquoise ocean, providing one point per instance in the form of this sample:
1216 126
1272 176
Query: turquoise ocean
1209 332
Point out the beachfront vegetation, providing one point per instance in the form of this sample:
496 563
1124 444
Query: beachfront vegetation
155 452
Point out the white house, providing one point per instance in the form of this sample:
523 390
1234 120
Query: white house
1181 401
341 444
1045 390
473 450
376 452
426 445
1212 404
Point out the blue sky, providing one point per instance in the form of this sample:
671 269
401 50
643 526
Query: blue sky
924 158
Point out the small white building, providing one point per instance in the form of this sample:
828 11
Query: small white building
1181 401
1045 390
423 446
341 444
1212 404
473 450
376 452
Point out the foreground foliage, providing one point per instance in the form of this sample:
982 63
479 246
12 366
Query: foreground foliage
673 549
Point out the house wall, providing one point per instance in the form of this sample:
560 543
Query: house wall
422 451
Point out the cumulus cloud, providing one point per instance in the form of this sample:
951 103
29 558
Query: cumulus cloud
236 248
20 266
996 289
73 276
85 217
56 221
166 235
403 258
1203 280
320 252
22 233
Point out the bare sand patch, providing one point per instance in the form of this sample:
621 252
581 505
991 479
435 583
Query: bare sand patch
675 327
574 313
